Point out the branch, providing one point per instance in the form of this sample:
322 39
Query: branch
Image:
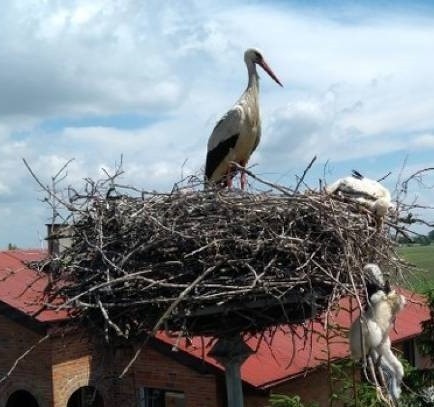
47 189
20 358
304 174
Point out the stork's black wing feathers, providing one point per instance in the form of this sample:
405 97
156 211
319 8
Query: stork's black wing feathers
356 174
218 153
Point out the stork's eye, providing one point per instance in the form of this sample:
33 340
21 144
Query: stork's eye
258 56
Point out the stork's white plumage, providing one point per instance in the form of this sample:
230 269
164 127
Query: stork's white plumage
375 280
365 191
238 133
369 336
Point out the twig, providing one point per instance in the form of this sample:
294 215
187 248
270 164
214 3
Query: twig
22 356
168 312
304 174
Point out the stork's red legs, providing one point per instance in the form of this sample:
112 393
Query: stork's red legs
243 176
229 177
243 179
230 174
229 180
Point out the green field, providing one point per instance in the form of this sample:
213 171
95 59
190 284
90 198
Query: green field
422 279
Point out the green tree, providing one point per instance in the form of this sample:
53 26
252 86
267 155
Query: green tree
422 240
431 235
349 391
426 340
281 400
12 246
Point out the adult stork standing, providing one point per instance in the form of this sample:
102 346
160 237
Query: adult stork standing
238 133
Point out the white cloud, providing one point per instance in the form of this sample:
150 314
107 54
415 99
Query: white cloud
296 131
424 141
4 189
77 58
320 126
354 89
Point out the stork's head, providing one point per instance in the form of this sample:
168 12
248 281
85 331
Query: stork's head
374 274
254 56
382 206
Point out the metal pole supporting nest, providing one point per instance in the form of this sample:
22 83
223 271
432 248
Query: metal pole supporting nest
232 352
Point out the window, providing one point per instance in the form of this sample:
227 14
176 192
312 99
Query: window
160 398
86 396
409 351
173 399
21 398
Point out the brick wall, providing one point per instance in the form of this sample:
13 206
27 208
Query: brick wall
77 362
155 370
311 388
60 366
32 373
252 400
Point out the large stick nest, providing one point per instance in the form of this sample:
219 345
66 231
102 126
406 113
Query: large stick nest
215 262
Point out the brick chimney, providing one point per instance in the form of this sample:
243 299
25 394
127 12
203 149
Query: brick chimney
58 238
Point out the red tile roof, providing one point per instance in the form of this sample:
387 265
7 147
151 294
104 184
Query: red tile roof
283 355
278 357
23 288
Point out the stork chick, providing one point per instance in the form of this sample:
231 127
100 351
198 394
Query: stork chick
369 336
375 280
238 133
368 192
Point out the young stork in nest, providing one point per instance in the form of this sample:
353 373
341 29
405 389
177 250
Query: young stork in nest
369 333
365 191
238 133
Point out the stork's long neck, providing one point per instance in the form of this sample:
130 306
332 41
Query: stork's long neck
253 76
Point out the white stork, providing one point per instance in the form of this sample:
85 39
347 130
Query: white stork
237 134
366 191
369 336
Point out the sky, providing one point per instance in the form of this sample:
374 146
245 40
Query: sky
149 79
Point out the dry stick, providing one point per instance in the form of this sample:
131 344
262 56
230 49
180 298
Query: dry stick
141 246
259 204
109 321
416 174
54 182
384 177
262 181
257 276
124 278
20 358
200 249
46 189
304 174
102 285
168 312
250 202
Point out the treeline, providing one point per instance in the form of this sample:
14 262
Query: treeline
423 240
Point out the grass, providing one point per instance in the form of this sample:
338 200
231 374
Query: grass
422 257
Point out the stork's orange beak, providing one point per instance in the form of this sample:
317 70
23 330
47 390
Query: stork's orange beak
267 69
